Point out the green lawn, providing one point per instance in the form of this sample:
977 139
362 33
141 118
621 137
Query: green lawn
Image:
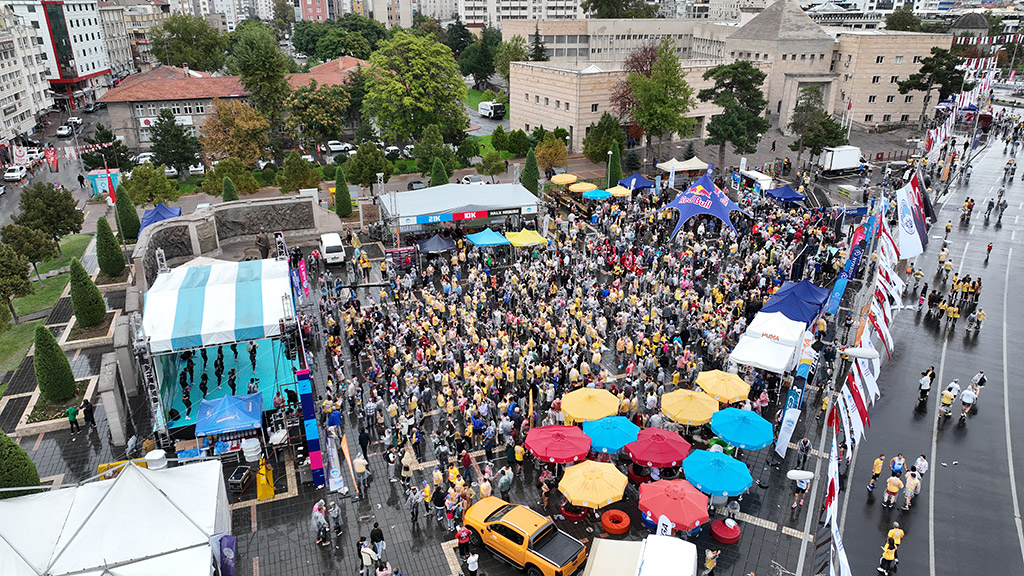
14 344
473 98
41 298
73 246
485 147
405 166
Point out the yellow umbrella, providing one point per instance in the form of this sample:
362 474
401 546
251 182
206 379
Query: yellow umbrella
592 484
587 404
723 386
620 191
525 238
689 407
563 179
581 187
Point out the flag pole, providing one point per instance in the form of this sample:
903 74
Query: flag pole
117 217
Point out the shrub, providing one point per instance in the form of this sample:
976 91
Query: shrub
16 468
85 297
228 191
108 251
53 371
128 217
328 170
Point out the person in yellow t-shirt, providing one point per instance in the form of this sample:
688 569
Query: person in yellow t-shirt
876 471
888 560
892 488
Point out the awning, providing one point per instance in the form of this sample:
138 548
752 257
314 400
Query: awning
487 238
158 213
525 238
793 307
613 557
690 165
762 353
805 290
775 326
635 182
193 306
455 202
786 194
229 414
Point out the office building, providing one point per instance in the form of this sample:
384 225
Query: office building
497 12
25 90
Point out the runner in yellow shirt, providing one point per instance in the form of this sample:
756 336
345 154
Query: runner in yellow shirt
892 488
876 471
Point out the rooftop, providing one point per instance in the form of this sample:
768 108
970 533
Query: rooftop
783 20
333 72
172 83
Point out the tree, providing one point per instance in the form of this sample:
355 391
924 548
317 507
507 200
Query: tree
619 9
640 61
183 39
232 168
127 216
518 142
550 153
615 166
937 72
356 88
284 17
237 130
499 139
600 136
477 60
664 98
439 174
342 199
297 174
52 210
171 144
338 42
35 245
458 37
261 66
538 50
530 178
431 147
903 19
108 251
86 299
632 162
316 112
514 50
53 371
16 468
690 151
113 152
13 277
491 165
148 186
414 83
468 149
737 90
367 162
813 124
228 191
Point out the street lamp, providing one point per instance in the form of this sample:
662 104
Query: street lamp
567 147
608 170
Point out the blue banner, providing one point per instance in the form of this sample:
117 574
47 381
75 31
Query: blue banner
844 278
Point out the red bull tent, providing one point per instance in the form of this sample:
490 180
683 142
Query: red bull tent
702 197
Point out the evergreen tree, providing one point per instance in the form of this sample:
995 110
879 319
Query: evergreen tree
228 191
85 297
538 51
16 468
499 139
53 371
13 277
690 151
108 251
127 216
615 165
530 179
518 142
632 162
438 174
342 199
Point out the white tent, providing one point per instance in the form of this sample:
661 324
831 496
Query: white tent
762 353
654 556
216 303
141 523
776 327
452 202
690 165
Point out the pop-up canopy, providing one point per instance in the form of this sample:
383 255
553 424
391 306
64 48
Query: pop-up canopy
636 182
702 197
762 353
786 194
777 327
690 165
221 303
158 213
229 414
525 238
487 238
436 244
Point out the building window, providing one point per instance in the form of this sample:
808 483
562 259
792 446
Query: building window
876 79
546 101
176 108
917 59
908 98
792 56
144 134
783 57
593 107
187 107
536 99
894 79
899 59
887 118
905 118
527 127
879 59
871 99
152 109
803 56
558 103
890 99
812 57
566 106
140 109
869 117
526 96
200 108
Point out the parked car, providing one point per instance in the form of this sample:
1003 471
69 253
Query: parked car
393 153
408 150
202 206
145 157
33 155
415 185
76 121
197 169
94 107
65 131
170 172
309 158
15 173
472 179
336 146
3 189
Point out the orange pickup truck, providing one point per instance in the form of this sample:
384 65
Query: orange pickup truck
524 538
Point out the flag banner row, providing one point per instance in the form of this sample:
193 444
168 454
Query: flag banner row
986 40
21 154
978 63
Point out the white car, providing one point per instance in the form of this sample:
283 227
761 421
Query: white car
336 146
309 158
197 169
3 189
15 173
408 150
75 121
170 172
34 154
145 157
65 131
392 151
472 179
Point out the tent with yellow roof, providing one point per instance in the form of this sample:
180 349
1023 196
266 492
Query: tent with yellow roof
525 238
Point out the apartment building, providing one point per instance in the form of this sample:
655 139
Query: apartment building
115 36
24 88
140 17
392 13
610 41
75 53
497 12
314 10
441 10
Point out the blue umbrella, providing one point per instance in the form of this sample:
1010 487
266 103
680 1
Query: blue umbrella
611 433
597 194
742 428
717 474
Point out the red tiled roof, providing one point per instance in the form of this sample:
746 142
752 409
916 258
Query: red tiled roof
333 72
344 64
171 83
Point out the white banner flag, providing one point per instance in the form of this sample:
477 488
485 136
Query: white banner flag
913 234
786 431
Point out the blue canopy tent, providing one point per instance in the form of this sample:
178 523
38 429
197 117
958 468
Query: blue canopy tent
229 414
436 244
158 213
487 238
793 307
804 290
636 182
702 197
786 194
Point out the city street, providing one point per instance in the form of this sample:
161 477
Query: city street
966 519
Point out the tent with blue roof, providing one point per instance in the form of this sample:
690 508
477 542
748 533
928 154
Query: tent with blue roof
636 182
792 307
487 238
805 290
158 213
702 197
786 194
229 414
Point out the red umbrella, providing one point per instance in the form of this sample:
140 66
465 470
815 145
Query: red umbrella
558 444
659 448
684 505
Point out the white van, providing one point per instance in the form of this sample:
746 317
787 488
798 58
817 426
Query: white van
491 109
332 249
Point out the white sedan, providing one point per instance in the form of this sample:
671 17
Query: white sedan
336 146
64 131
15 173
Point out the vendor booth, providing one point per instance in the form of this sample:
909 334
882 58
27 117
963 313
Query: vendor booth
756 181
460 205
635 182
142 522
763 353
786 194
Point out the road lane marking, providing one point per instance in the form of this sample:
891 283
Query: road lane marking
932 468
962 259
971 231
1006 414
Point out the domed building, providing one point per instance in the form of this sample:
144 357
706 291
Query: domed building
972 24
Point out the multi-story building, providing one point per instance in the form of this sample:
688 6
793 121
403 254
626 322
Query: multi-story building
115 35
611 41
24 89
869 66
393 13
140 17
439 9
230 10
75 52
263 9
315 10
495 12
217 20
831 14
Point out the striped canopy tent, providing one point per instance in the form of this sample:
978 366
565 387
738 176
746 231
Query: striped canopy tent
218 303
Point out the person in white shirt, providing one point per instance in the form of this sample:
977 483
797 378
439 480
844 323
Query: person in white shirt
925 385
921 465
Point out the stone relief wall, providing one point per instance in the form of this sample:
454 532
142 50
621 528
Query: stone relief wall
250 219
207 233
174 240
